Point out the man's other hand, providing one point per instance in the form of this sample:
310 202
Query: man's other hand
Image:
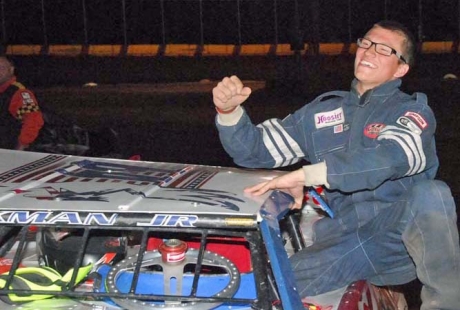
292 183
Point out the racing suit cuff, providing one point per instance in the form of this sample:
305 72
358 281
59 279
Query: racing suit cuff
316 174
230 119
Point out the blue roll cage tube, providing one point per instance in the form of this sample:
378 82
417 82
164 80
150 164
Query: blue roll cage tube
272 211
322 204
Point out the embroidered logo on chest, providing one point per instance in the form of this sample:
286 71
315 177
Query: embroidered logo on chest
329 118
373 130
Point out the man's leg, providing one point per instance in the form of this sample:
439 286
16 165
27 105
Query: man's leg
432 241
423 226
342 254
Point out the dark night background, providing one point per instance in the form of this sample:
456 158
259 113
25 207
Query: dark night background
176 124
218 21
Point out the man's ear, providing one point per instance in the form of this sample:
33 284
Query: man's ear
402 70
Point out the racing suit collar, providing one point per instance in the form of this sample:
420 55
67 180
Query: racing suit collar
380 91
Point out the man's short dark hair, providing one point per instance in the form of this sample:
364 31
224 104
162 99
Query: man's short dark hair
409 40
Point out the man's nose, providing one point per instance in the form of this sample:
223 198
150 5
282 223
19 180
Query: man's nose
371 50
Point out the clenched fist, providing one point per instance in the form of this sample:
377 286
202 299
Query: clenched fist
230 93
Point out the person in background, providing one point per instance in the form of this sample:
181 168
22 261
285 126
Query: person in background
20 115
372 149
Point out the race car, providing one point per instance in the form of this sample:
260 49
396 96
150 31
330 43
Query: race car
98 233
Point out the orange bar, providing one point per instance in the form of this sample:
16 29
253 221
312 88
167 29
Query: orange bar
284 50
181 50
337 48
255 49
143 50
218 50
104 50
65 50
191 50
23 49
438 47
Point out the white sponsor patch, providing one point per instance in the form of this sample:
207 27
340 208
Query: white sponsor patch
409 124
25 96
330 118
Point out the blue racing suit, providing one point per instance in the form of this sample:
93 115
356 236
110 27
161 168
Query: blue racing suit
393 221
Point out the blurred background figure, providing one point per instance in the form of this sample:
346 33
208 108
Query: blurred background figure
24 125
20 115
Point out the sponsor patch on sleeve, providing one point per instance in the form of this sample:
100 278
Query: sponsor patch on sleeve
25 95
27 99
409 124
373 130
421 122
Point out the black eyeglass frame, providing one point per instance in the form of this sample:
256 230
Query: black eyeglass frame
393 51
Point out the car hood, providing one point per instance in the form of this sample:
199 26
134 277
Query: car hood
49 183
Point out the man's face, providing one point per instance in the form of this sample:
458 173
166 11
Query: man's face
6 70
373 69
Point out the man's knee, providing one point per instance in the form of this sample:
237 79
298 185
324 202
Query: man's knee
432 196
432 186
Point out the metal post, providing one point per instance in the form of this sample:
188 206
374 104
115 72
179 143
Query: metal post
385 9
125 34
201 24
420 27
45 35
163 28
297 39
85 23
349 21
275 18
3 25
239 21
199 50
298 43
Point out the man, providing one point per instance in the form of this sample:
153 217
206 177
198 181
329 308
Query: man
20 115
373 151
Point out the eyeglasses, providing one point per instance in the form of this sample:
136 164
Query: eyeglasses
380 48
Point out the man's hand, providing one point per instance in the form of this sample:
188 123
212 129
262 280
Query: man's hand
230 93
292 183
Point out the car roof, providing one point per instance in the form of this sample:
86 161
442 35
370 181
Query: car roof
50 182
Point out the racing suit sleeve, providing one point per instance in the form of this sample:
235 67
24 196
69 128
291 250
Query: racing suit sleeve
24 107
404 147
270 144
